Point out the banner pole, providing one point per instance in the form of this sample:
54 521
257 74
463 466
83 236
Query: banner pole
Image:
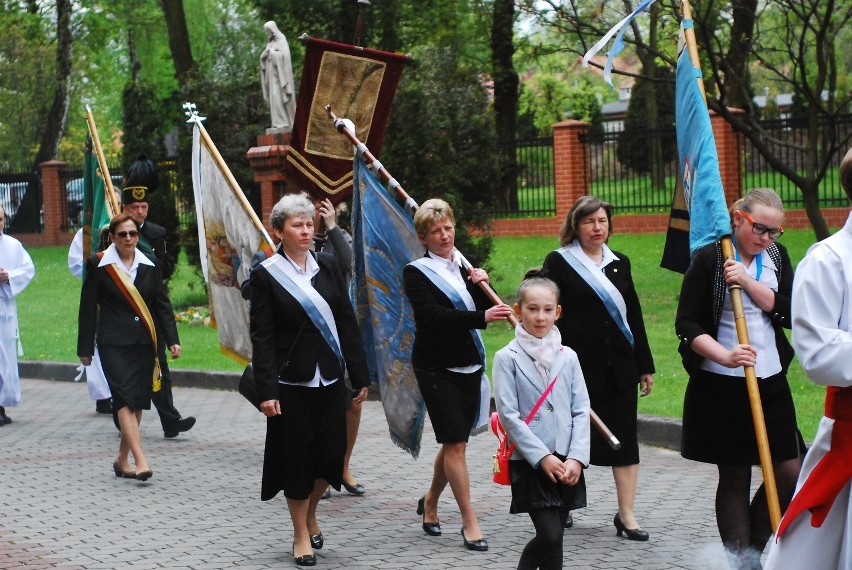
102 164
740 321
226 172
364 153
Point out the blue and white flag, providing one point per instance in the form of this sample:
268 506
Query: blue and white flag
618 44
384 242
701 209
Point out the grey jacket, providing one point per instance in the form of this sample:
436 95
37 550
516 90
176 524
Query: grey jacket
561 424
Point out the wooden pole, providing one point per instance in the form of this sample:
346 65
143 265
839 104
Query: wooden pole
411 205
112 200
742 329
226 172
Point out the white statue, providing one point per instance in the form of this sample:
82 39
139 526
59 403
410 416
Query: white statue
276 77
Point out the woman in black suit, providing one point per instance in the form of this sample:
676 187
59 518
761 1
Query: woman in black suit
602 321
304 336
122 333
448 358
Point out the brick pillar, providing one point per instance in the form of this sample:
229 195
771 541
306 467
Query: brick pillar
571 163
54 201
729 145
267 161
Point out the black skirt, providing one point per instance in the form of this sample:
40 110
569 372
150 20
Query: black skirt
615 403
718 426
532 489
452 400
306 442
129 371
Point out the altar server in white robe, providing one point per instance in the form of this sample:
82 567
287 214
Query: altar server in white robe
16 272
816 531
95 379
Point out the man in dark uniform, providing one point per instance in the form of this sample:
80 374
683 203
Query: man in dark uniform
141 179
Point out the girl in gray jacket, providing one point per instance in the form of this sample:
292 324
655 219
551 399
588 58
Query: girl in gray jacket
552 446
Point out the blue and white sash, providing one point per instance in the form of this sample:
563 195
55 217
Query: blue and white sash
597 287
453 295
480 424
310 308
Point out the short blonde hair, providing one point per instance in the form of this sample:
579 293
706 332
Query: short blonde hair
429 212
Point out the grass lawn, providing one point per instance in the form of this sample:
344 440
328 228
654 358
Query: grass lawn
48 314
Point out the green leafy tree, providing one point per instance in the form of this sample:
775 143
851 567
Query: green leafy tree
645 152
440 141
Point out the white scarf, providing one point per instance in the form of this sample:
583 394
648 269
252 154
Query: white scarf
541 350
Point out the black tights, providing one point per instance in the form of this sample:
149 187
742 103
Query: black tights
745 528
545 549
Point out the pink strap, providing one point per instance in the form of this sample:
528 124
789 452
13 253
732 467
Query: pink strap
496 426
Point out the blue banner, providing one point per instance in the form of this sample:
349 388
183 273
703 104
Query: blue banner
706 215
384 242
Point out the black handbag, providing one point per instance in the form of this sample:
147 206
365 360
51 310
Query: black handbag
248 388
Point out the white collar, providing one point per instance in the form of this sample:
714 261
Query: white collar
607 258
448 262
111 256
311 266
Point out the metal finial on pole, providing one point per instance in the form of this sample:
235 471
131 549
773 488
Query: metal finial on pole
359 26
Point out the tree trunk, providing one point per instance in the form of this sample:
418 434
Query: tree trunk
810 196
505 101
28 213
179 43
735 63
390 27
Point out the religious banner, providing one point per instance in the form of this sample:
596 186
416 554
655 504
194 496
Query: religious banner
230 237
699 215
359 84
384 242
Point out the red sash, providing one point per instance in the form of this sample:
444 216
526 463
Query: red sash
833 471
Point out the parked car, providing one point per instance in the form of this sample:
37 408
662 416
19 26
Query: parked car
74 189
11 194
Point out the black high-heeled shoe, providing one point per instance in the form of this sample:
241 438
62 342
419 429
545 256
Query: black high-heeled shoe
479 545
305 559
632 533
119 472
317 540
430 528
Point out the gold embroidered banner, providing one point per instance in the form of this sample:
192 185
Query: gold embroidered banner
359 84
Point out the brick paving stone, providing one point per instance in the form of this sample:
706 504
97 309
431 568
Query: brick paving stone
62 507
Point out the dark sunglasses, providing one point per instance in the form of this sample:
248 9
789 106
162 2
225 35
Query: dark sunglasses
131 233
760 229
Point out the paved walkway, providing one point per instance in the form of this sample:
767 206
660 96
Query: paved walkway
62 507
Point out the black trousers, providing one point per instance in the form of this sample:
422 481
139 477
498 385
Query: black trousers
162 399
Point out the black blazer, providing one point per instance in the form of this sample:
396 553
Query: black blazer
442 336
154 237
703 292
286 344
587 327
103 310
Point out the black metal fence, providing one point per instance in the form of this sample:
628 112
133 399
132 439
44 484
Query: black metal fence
634 171
791 140
637 171
14 187
536 187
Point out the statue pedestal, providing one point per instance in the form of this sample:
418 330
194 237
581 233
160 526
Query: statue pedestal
267 160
